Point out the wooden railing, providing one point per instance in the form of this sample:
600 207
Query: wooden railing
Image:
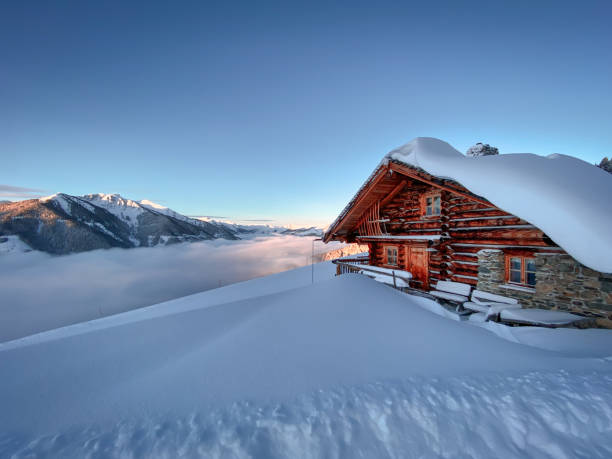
397 278
343 265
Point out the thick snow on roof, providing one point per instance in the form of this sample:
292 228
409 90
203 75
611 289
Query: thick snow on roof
342 368
567 198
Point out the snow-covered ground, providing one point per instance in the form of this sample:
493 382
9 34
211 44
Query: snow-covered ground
41 292
278 367
12 244
591 342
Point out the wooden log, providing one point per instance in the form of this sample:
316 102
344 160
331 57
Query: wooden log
477 214
467 258
409 172
497 244
488 221
497 234
464 280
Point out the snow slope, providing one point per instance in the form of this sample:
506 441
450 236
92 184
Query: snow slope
60 199
11 244
343 368
567 198
169 212
126 210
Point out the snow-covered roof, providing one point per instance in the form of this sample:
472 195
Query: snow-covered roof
567 198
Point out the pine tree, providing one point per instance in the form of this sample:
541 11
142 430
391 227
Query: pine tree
606 164
481 149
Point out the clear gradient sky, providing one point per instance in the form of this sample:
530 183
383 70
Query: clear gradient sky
281 109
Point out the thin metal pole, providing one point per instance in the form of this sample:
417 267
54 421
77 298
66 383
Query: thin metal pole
312 260
312 264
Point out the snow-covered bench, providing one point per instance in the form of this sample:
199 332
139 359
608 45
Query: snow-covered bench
541 317
487 305
387 279
395 277
455 292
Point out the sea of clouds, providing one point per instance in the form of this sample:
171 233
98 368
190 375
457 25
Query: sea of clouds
40 292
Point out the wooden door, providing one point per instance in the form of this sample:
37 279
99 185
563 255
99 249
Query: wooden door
418 264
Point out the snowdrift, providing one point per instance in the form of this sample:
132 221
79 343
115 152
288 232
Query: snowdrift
342 368
567 198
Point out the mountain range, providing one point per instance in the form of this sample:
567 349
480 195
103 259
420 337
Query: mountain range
62 223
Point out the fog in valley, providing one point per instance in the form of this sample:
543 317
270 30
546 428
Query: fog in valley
41 292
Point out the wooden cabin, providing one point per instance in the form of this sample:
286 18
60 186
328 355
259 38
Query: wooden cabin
437 229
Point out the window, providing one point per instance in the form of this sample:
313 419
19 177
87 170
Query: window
516 270
391 255
530 271
521 270
431 204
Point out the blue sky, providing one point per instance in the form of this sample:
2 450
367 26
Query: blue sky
281 110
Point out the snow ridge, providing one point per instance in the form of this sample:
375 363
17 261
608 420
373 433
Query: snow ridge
60 199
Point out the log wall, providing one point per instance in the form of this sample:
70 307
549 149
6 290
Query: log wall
464 227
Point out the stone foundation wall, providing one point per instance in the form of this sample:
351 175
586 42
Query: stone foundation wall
561 283
564 283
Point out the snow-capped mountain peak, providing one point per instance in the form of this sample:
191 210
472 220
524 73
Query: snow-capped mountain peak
125 209
62 223
114 198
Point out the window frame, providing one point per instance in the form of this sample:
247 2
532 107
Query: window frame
386 248
431 195
524 259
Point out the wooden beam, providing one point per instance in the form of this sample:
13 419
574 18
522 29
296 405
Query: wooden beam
364 192
404 170
391 195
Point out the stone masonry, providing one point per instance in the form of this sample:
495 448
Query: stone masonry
561 283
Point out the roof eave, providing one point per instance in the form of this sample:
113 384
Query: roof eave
374 178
